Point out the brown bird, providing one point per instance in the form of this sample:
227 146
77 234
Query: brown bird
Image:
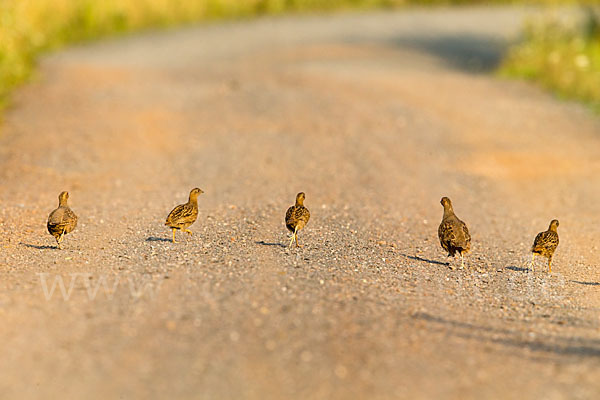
184 215
296 218
545 244
453 233
62 220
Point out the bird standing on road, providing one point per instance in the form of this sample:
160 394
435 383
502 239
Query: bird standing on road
62 220
184 215
453 233
296 218
545 244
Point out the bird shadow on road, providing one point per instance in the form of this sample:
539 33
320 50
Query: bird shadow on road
518 269
39 247
157 239
263 243
417 258
587 283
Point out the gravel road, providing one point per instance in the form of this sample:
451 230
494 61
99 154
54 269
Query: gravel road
375 117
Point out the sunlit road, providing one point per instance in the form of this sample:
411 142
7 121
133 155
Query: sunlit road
375 117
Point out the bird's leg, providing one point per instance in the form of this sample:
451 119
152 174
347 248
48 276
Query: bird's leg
462 261
550 265
532 265
188 232
294 238
174 235
59 239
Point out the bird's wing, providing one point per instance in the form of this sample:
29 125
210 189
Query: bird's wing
549 240
466 234
454 232
70 218
537 241
57 216
446 231
303 214
62 220
290 215
176 214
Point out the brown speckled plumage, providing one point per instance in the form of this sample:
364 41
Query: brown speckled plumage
62 220
545 244
453 233
297 217
184 215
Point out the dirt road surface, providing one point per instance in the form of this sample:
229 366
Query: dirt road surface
375 117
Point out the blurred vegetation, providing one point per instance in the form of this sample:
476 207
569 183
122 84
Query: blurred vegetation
29 27
562 56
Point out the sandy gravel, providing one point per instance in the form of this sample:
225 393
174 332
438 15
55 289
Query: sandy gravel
375 117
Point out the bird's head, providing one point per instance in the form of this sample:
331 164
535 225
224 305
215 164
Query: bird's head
445 202
62 198
300 198
553 225
195 192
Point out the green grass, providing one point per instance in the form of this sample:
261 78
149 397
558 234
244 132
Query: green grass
563 58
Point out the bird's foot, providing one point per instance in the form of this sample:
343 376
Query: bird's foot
291 241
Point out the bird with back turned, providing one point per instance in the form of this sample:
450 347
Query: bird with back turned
453 233
62 220
296 218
